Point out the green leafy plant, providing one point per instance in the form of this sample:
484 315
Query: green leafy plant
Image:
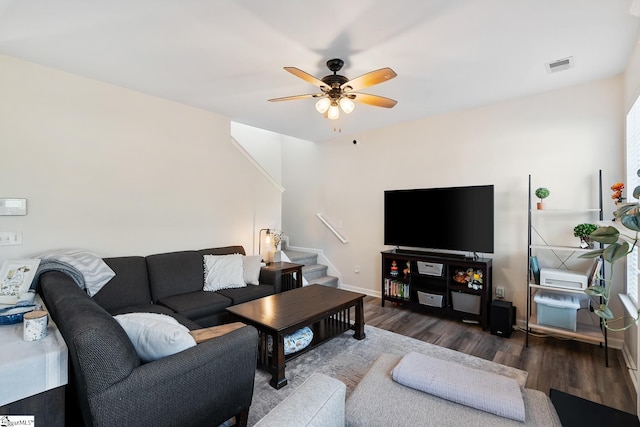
542 193
584 230
618 246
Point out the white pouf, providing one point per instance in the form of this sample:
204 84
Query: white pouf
294 342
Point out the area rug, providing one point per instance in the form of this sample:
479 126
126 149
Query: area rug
348 360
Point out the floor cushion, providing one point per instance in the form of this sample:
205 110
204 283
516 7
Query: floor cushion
295 342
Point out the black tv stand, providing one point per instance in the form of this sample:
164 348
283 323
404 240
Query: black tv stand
431 254
445 284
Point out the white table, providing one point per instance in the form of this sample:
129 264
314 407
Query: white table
30 368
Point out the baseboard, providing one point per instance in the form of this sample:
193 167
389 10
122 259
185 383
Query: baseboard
368 292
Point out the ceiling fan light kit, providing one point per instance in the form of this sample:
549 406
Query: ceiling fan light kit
339 93
347 105
323 105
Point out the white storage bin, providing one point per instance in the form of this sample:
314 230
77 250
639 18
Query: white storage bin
433 300
558 310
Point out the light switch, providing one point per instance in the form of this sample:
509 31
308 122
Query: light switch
9 238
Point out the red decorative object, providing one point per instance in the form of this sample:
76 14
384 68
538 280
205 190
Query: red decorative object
394 268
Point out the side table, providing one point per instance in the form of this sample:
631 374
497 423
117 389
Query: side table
287 274
33 374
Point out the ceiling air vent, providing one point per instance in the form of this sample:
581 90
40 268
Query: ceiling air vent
559 65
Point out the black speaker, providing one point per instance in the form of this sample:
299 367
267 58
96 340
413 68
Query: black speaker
501 318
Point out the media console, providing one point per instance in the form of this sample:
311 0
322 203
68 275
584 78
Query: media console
454 286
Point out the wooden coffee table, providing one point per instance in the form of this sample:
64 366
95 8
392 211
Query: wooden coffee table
326 310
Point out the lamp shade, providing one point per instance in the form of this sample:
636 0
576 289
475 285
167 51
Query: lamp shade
323 105
267 239
347 105
334 111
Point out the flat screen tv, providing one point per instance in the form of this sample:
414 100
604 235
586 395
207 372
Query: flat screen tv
451 218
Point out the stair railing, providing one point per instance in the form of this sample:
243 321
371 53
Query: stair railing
331 228
257 165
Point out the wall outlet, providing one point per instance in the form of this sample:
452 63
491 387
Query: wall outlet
500 292
8 238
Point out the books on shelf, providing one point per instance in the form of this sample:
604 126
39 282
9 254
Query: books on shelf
396 288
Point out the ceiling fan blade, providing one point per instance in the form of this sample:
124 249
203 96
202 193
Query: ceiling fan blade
375 100
290 98
370 79
306 77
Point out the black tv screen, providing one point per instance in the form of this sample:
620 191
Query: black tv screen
452 218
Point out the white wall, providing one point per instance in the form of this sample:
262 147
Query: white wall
562 138
119 172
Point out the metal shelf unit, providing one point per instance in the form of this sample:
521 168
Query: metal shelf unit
591 333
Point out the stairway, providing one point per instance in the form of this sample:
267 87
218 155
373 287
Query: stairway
311 270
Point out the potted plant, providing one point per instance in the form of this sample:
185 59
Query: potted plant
617 192
583 231
617 247
541 193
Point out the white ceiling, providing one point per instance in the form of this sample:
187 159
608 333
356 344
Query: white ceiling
226 56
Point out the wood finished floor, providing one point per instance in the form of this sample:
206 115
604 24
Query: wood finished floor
570 366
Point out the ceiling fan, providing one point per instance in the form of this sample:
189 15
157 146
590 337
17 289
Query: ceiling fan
338 92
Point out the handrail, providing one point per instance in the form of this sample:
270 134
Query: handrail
330 227
257 165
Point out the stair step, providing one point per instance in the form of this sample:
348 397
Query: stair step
330 281
311 270
314 271
299 257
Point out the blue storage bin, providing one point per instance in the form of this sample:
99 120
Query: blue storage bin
557 309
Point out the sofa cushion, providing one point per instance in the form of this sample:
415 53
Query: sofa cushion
248 293
367 406
174 273
318 402
195 305
251 269
155 335
223 272
130 286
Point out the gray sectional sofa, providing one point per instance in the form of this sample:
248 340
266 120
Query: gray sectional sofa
171 283
109 384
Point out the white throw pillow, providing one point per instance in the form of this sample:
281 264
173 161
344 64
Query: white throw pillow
251 269
155 335
223 272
